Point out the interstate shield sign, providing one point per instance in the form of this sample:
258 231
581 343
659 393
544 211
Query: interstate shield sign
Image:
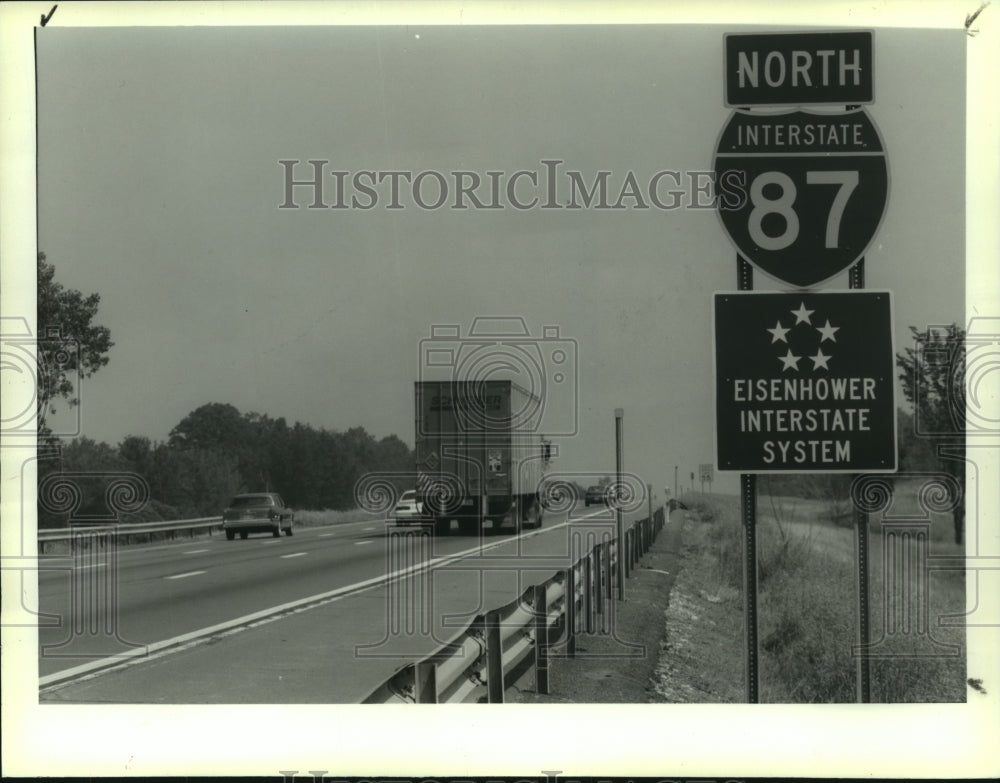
801 193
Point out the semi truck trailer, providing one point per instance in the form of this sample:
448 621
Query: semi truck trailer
479 459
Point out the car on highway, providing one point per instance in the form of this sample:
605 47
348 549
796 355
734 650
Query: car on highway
257 512
407 508
594 494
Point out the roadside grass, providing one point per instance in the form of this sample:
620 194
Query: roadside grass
701 656
807 604
334 517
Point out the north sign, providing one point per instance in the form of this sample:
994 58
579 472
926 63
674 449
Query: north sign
774 69
804 382
802 193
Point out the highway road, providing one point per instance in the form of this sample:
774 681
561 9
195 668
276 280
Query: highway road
308 618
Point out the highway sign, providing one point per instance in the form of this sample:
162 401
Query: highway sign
802 193
705 473
776 69
804 382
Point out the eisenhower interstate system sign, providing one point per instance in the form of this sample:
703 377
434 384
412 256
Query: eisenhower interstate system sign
804 192
804 382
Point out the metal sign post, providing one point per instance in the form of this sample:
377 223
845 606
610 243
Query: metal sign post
856 279
748 510
620 546
748 514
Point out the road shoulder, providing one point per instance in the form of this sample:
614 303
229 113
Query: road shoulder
619 666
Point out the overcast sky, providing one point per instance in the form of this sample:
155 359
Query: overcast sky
159 186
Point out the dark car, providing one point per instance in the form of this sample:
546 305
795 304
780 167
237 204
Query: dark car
257 512
594 494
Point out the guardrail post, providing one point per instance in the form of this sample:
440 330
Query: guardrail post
425 683
494 659
541 641
571 611
649 496
619 522
599 555
629 552
588 589
613 565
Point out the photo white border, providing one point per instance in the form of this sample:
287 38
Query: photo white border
676 741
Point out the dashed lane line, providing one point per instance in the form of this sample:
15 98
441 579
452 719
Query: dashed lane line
185 575
155 650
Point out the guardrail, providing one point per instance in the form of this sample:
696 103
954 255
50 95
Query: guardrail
499 647
128 531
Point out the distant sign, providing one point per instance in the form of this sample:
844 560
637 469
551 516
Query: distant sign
805 382
804 192
705 473
776 69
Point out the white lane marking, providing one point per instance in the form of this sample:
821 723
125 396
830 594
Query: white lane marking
325 535
185 576
367 528
194 551
272 541
367 541
296 554
159 649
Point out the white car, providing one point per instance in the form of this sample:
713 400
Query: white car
407 508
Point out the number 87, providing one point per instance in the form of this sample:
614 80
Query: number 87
782 205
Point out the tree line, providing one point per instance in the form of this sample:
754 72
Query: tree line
216 452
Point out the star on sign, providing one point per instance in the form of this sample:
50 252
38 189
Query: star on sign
802 315
820 359
789 360
828 332
778 333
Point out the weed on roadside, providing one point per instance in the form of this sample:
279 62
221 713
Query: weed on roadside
807 608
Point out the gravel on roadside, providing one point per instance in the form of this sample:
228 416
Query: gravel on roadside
618 666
